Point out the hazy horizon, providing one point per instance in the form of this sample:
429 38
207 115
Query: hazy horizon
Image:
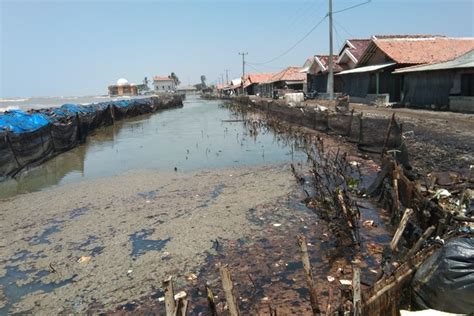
77 48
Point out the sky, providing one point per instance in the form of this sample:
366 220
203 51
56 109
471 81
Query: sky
72 48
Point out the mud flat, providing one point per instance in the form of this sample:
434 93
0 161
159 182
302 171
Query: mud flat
108 241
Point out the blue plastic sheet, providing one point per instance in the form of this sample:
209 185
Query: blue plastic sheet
18 121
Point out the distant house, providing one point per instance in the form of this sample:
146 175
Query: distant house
289 79
253 80
163 84
446 85
123 87
373 77
317 67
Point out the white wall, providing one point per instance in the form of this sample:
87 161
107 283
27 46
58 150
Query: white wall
164 85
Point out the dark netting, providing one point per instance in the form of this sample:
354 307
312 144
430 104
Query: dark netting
8 162
64 135
30 138
31 147
340 123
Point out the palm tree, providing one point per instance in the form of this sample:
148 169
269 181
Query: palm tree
203 81
175 79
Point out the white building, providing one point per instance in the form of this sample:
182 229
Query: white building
163 84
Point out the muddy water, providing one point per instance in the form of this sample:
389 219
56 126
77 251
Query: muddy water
197 136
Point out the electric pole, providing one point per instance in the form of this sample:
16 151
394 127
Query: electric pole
227 76
330 87
243 65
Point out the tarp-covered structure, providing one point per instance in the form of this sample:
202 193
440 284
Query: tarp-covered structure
29 138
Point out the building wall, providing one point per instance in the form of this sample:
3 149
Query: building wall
164 85
123 90
433 88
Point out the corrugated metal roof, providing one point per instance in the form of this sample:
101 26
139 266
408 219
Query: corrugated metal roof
365 69
464 61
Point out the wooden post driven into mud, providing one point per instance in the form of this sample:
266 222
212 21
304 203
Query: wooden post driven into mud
170 304
356 292
228 290
401 228
309 275
210 301
387 134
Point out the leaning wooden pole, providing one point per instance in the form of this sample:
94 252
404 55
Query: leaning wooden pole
401 228
228 290
170 304
309 275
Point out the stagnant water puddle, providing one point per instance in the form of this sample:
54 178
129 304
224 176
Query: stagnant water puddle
201 135
141 243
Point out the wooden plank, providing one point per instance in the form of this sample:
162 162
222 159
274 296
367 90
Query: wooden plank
309 275
228 290
401 228
170 304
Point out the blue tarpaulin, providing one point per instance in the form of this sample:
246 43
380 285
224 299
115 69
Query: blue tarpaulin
18 121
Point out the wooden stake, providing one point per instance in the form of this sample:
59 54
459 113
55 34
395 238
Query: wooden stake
210 301
170 304
309 275
356 293
420 242
228 290
401 228
387 134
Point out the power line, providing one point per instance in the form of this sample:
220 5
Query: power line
344 29
352 7
296 44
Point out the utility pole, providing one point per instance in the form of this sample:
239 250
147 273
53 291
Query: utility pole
222 78
243 64
330 87
227 76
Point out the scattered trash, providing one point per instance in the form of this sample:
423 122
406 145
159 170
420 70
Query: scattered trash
84 259
441 193
277 224
331 278
445 280
345 282
192 277
129 271
368 223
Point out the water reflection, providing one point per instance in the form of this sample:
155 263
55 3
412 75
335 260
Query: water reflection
197 136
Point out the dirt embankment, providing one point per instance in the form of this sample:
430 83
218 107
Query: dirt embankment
437 141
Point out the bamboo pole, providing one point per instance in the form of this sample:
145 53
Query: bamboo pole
356 292
401 228
170 304
228 290
309 275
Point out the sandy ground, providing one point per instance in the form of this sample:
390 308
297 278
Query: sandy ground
44 234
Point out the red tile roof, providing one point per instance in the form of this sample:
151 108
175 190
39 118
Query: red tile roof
360 45
324 59
288 74
158 78
422 49
257 78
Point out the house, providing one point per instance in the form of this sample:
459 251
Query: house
289 79
252 81
163 84
373 78
123 87
444 85
317 67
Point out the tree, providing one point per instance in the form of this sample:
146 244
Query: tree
175 79
203 81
